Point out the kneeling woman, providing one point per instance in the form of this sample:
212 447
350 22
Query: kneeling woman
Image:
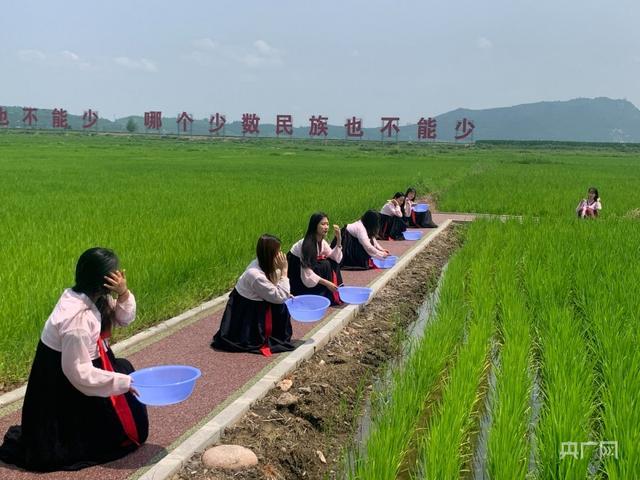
413 218
314 267
79 408
256 319
392 224
359 242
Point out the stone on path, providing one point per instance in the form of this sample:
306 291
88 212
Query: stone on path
229 457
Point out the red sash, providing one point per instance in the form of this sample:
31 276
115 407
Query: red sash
119 402
265 350
413 217
334 280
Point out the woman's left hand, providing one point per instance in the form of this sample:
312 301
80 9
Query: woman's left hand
117 282
336 232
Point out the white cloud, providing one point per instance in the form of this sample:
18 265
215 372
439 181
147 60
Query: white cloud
265 49
70 55
483 43
261 54
142 64
31 55
205 44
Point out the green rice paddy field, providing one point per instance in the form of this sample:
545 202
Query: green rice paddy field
546 308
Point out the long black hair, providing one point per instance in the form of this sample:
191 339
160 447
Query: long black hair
371 221
309 255
411 190
93 265
594 190
266 251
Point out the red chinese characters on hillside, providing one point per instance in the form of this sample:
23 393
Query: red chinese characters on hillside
90 118
4 117
318 126
153 120
250 123
353 127
284 124
390 126
29 116
183 120
464 128
59 118
217 123
427 128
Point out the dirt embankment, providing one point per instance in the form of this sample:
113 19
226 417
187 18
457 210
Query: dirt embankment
307 438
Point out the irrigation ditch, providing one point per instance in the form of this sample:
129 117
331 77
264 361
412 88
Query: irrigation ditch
331 392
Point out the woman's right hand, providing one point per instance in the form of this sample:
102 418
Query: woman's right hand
330 285
134 391
280 262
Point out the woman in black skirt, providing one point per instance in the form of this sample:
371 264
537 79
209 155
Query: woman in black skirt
412 218
359 243
391 223
256 319
79 408
314 267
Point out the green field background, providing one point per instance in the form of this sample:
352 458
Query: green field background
184 215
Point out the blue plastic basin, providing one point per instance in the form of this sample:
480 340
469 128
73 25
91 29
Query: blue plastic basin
420 207
412 234
165 384
307 308
388 262
354 295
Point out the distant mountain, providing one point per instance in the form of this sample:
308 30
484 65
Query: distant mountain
582 120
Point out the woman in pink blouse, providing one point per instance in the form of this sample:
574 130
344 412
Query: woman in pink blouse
590 207
359 242
413 218
314 267
80 407
256 319
391 222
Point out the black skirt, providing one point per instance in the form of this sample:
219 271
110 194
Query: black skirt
64 429
354 256
325 268
391 227
421 220
244 327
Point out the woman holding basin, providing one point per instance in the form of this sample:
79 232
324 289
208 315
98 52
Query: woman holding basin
314 267
80 407
412 217
256 319
359 242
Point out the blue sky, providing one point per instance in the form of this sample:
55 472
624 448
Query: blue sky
336 58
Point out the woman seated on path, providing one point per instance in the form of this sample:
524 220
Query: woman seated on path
589 207
79 408
359 242
391 222
256 319
412 218
314 267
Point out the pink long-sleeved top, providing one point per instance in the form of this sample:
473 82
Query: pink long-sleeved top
309 278
254 285
358 230
392 209
73 328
